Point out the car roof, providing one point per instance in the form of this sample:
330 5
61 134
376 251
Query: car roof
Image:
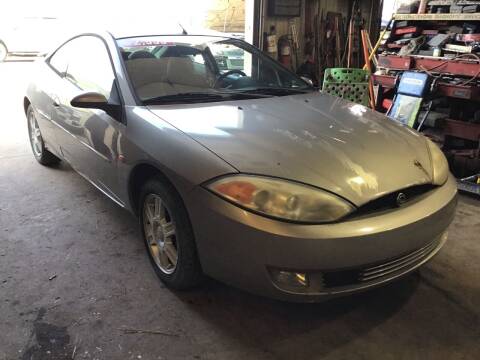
170 32
121 31
119 28
197 41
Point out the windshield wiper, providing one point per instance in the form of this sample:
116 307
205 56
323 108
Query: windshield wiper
198 97
184 98
275 91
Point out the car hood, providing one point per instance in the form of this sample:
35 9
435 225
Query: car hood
312 138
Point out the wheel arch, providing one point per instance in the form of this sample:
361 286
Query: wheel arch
141 173
26 104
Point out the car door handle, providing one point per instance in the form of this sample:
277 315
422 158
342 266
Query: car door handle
55 104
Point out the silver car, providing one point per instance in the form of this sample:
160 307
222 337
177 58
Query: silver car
251 176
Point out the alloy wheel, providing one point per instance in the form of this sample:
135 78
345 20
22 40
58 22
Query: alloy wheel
160 233
35 135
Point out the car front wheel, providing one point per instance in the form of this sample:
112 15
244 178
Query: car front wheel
42 155
168 235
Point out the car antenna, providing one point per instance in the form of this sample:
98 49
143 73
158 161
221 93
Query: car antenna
184 32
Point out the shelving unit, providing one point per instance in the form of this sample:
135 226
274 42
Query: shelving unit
455 77
437 17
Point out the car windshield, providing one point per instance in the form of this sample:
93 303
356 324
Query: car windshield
189 69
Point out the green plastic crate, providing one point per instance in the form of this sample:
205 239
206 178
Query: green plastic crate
349 84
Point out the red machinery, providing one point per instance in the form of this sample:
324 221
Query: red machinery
285 51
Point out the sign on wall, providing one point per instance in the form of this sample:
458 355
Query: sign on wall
284 8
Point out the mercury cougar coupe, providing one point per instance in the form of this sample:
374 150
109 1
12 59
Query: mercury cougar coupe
248 175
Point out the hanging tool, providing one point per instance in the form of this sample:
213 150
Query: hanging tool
367 62
370 50
316 49
295 46
351 32
379 41
338 54
321 49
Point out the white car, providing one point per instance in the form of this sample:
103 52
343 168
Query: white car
30 36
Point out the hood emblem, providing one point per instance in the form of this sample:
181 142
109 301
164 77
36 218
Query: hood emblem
401 199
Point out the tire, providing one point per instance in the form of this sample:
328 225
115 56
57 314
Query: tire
165 226
3 51
42 155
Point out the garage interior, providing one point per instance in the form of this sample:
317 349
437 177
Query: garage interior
75 281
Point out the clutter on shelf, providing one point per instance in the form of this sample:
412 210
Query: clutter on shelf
428 77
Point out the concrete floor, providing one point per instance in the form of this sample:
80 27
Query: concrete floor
53 223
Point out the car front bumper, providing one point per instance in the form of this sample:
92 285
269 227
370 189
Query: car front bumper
247 250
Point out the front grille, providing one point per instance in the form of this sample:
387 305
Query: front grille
389 201
357 276
399 264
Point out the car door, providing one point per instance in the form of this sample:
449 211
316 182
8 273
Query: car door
89 138
50 74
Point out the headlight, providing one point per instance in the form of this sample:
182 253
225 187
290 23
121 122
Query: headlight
281 199
439 164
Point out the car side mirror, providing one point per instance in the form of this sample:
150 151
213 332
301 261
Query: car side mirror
90 100
94 100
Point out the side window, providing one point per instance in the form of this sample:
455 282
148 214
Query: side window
89 66
59 60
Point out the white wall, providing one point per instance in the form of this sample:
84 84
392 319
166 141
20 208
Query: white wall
189 12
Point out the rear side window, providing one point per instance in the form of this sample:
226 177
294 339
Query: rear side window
89 67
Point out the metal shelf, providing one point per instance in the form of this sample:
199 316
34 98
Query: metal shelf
467 92
461 67
435 17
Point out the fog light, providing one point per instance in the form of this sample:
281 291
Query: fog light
445 236
289 280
